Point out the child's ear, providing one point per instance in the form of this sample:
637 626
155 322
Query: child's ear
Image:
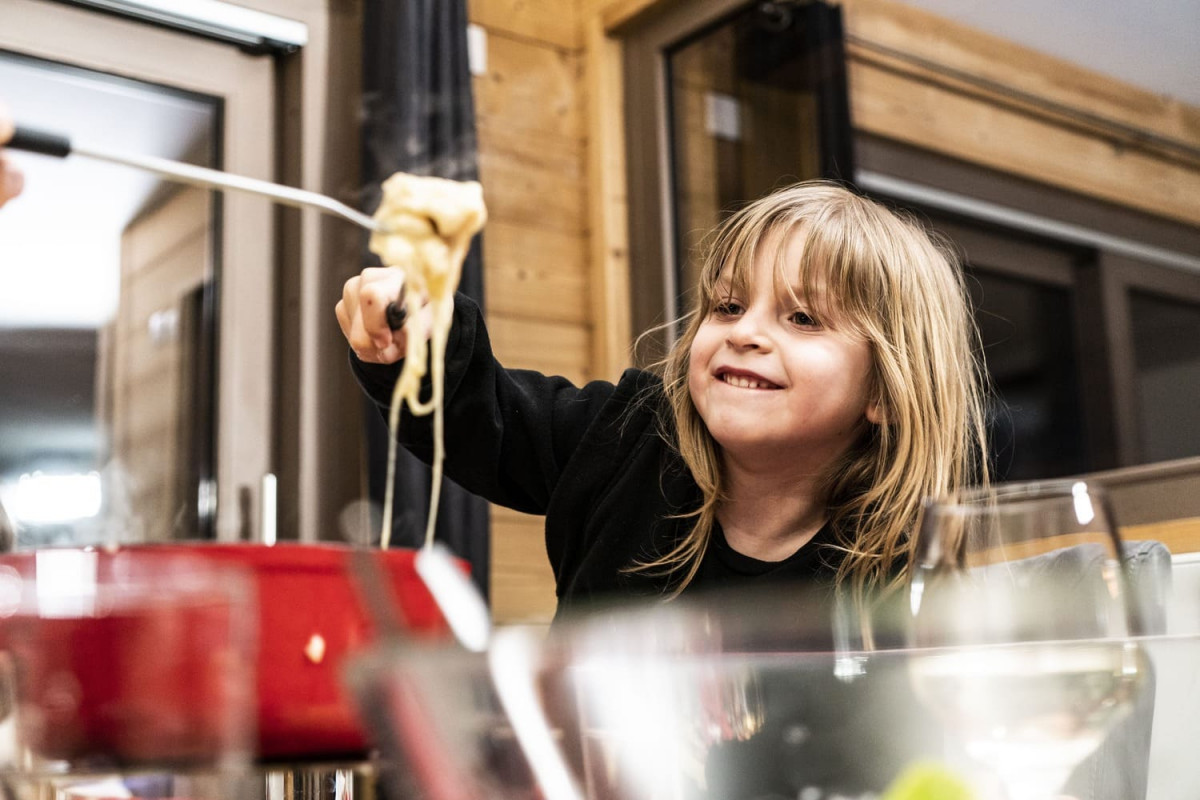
875 414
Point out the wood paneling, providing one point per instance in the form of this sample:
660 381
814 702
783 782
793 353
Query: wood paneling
697 190
1013 67
554 348
535 273
952 123
532 88
944 87
153 242
530 107
608 206
553 22
165 254
522 585
1179 536
936 84
532 180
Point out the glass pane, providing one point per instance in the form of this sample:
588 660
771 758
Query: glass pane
106 333
1166 343
1029 347
744 120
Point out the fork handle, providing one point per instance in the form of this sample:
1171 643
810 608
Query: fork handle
33 140
397 314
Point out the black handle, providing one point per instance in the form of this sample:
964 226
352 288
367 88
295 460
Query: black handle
32 140
397 313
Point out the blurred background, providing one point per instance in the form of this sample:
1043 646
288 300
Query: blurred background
170 366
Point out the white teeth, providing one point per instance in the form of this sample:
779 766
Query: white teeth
744 383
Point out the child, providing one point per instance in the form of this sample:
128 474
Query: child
827 382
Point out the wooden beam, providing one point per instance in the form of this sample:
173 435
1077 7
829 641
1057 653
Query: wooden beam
607 204
958 47
935 118
554 22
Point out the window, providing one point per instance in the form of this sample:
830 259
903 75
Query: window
727 100
1083 305
1089 314
164 365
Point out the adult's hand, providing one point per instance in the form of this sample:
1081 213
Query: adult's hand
11 179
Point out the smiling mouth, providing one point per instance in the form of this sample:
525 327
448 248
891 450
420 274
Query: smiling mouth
744 382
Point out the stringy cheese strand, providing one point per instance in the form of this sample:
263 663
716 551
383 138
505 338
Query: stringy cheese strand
433 220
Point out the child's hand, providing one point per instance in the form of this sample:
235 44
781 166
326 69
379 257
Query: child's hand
362 313
11 179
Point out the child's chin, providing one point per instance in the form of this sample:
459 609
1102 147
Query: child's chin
749 442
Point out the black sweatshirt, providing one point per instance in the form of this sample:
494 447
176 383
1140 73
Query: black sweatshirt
593 460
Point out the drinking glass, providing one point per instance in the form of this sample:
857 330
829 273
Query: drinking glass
1022 620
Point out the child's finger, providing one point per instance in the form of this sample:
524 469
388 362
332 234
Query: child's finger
6 124
11 181
380 287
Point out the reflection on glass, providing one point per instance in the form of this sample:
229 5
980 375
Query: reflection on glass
745 116
107 281
1028 334
1166 343
717 698
1023 598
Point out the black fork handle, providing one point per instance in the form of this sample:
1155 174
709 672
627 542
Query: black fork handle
397 313
33 140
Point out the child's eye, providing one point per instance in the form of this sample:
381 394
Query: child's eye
802 319
727 308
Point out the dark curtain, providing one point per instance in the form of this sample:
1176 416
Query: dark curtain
419 117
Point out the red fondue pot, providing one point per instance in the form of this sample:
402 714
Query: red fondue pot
142 679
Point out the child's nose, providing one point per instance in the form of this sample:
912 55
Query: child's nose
749 332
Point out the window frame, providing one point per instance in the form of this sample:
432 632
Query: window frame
652 251
245 265
1103 278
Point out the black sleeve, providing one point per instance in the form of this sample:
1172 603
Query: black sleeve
508 433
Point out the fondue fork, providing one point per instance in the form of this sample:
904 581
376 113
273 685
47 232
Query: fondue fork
33 140
56 145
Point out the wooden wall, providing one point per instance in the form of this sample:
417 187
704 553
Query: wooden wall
533 163
552 159
1019 111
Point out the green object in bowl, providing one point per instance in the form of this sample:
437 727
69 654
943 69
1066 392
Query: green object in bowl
928 781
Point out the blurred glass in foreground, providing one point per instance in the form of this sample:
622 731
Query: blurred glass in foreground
124 670
802 692
1024 597
729 696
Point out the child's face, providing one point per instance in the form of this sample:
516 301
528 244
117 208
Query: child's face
770 381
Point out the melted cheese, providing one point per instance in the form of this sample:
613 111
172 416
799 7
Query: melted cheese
429 223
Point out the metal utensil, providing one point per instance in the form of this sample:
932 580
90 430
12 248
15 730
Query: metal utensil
47 143
57 145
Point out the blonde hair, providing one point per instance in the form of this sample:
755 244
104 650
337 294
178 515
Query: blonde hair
884 277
